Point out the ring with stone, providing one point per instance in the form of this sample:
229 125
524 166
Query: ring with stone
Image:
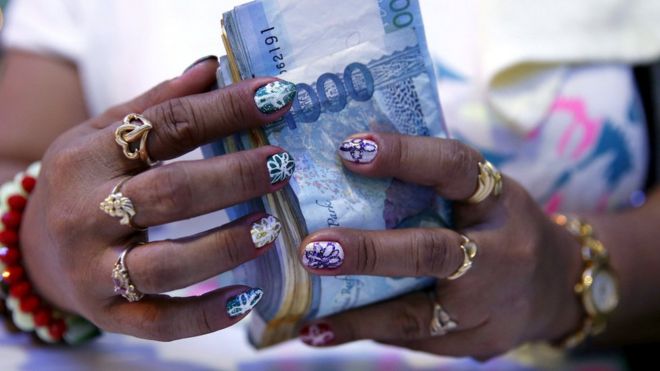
122 280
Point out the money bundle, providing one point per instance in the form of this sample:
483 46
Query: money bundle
358 66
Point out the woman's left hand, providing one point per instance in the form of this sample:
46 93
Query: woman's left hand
518 289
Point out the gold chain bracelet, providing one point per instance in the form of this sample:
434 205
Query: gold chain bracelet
597 288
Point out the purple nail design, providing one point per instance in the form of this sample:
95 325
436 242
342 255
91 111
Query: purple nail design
358 150
323 255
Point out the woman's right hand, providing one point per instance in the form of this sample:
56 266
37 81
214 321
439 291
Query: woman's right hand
70 247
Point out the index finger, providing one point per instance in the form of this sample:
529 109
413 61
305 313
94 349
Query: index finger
447 165
181 124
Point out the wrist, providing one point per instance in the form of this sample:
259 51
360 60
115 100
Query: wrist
28 310
565 308
597 286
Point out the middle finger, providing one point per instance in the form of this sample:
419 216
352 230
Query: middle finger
162 266
190 188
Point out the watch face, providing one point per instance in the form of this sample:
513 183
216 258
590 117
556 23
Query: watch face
604 292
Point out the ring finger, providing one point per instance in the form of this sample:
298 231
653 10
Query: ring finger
163 266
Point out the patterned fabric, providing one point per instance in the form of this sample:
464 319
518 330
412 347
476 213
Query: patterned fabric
589 153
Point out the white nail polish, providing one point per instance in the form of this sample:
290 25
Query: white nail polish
265 231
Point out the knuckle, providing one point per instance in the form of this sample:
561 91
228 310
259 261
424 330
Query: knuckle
179 127
367 255
457 159
171 192
230 251
429 253
203 322
232 103
155 278
154 327
244 172
409 323
401 152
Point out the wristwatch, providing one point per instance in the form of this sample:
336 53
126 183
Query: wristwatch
597 288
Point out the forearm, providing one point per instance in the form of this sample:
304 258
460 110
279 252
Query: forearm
633 241
40 98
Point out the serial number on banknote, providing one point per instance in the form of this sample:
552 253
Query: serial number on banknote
272 41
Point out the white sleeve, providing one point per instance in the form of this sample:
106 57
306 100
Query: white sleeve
45 27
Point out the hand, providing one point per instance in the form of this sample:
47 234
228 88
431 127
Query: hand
519 287
70 246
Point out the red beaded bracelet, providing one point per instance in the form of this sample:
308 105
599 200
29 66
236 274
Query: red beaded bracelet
29 311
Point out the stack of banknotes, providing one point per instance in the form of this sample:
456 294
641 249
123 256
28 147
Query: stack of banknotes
358 66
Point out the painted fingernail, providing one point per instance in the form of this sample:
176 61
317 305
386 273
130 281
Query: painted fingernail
317 335
323 255
275 95
200 61
265 231
242 303
358 150
280 167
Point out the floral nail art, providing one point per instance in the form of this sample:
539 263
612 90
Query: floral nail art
265 231
275 95
280 167
243 303
358 150
317 335
323 255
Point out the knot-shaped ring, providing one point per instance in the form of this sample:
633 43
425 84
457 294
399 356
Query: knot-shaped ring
132 136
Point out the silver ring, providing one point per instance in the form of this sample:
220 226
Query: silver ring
441 323
122 280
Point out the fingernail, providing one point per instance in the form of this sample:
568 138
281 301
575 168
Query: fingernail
242 303
275 95
280 167
323 255
317 335
358 150
199 61
265 231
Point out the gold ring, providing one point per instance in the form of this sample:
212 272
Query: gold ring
130 133
441 323
122 280
119 206
470 250
490 181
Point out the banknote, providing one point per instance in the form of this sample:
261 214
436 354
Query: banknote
358 66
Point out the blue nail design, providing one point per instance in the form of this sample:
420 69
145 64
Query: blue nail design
243 303
274 96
